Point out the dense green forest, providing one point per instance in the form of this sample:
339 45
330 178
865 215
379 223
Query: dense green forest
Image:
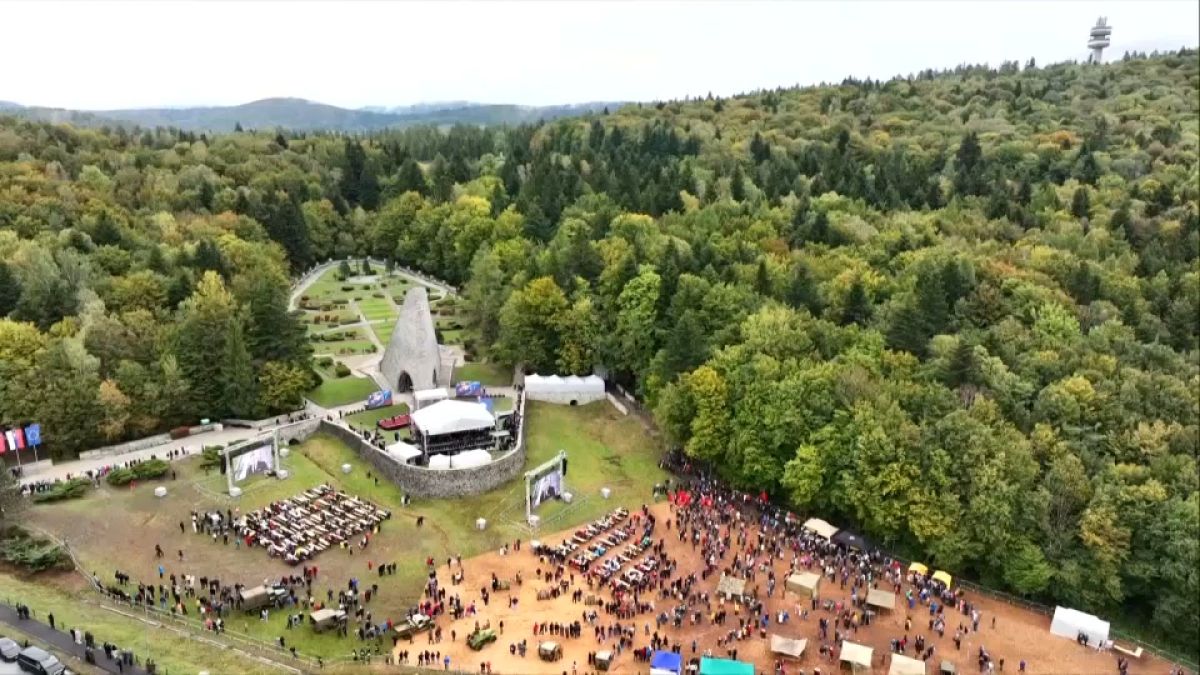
959 311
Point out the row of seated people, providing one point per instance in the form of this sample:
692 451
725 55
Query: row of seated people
613 565
298 528
598 549
586 534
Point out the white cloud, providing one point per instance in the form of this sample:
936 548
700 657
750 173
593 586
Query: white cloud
97 55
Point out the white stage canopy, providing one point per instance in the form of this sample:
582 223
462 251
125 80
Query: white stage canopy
427 396
403 451
1069 623
567 389
470 458
820 527
448 417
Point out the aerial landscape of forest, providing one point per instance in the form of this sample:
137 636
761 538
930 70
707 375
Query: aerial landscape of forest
957 311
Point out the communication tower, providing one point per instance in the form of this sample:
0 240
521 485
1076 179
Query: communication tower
1099 40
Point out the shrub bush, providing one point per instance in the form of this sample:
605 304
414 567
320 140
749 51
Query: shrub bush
151 468
210 456
180 432
35 554
348 289
325 361
341 369
63 490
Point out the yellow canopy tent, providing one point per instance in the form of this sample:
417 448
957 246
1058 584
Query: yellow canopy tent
918 568
943 577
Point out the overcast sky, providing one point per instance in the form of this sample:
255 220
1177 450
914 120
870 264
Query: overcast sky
97 55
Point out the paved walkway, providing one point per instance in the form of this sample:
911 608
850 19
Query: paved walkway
60 642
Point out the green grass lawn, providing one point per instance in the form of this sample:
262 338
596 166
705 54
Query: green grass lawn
376 309
489 374
452 337
333 392
383 330
172 652
354 341
367 418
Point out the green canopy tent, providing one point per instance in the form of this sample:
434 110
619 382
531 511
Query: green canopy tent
724 667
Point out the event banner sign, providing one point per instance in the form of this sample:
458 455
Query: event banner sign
464 389
546 488
379 399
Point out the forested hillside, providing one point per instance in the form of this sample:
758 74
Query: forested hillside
959 311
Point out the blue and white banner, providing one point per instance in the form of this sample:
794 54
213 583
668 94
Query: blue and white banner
33 434
379 399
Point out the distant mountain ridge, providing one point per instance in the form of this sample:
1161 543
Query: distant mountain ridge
303 115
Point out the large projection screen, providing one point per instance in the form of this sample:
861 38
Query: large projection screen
258 458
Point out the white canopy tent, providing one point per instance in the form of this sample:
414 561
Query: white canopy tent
857 656
404 452
449 417
820 527
906 665
426 397
439 462
788 646
1069 623
470 459
570 389
804 583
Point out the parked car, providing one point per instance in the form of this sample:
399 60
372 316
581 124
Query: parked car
40 662
9 649
413 625
327 618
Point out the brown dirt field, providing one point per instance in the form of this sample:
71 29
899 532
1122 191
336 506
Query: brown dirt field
1019 633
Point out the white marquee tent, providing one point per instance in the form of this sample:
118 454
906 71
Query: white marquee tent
1069 623
404 452
470 459
439 462
449 417
426 397
571 389
820 527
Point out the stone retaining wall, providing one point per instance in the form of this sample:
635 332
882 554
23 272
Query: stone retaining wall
419 481
147 442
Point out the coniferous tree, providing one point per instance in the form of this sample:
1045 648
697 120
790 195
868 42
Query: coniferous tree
858 305
10 290
1080 203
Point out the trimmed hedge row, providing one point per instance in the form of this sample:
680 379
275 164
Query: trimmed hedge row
151 468
63 490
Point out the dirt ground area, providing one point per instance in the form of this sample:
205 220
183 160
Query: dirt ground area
1017 633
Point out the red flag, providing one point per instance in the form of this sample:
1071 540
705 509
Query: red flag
20 434
3 444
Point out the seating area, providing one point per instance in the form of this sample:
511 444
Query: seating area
298 528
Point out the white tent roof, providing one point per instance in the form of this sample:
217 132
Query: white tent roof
1069 623
820 527
877 597
906 665
426 395
470 458
545 384
448 417
856 654
806 582
403 451
439 462
788 646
